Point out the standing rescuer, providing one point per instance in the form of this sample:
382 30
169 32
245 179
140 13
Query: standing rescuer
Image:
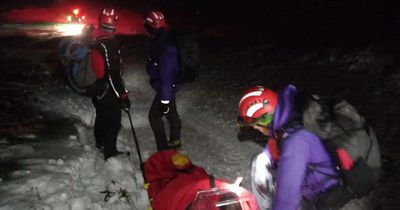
163 69
111 95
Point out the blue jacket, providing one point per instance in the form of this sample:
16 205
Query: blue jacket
162 66
300 151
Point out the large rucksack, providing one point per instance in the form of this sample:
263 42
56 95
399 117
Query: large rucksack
79 75
345 132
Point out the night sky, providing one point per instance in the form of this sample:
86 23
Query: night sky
293 22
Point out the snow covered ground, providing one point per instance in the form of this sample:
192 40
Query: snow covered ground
54 165
64 171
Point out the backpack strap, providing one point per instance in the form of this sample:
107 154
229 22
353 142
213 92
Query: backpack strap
101 42
296 125
314 167
282 133
107 60
278 137
367 129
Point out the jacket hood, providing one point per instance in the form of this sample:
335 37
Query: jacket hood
285 110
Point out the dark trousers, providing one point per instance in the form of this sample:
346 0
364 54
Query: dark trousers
157 125
107 123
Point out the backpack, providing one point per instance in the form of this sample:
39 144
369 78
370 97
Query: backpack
188 56
345 134
79 75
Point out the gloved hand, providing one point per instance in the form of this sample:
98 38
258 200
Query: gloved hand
165 107
125 102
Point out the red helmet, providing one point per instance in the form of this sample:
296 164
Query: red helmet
155 19
107 19
257 102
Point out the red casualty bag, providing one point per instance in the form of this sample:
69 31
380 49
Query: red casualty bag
176 184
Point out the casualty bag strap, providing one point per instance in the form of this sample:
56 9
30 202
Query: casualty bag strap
212 180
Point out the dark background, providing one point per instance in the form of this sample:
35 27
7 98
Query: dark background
288 22
292 22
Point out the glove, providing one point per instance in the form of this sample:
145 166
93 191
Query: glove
164 107
125 102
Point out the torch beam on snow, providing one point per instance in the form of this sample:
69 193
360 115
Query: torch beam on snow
70 29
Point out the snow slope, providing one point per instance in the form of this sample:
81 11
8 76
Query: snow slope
64 171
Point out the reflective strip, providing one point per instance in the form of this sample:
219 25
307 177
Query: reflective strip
109 67
112 85
160 17
253 109
255 93
104 92
165 101
149 20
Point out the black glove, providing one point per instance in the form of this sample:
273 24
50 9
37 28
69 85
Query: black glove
125 102
165 108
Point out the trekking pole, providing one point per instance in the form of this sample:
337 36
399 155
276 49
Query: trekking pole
136 142
138 151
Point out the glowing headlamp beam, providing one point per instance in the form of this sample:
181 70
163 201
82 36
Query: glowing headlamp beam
70 29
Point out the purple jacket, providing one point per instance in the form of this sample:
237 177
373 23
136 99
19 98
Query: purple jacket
163 67
300 150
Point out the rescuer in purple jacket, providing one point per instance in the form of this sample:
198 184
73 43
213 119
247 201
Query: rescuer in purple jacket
294 168
163 69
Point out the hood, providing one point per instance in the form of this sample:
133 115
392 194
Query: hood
285 111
